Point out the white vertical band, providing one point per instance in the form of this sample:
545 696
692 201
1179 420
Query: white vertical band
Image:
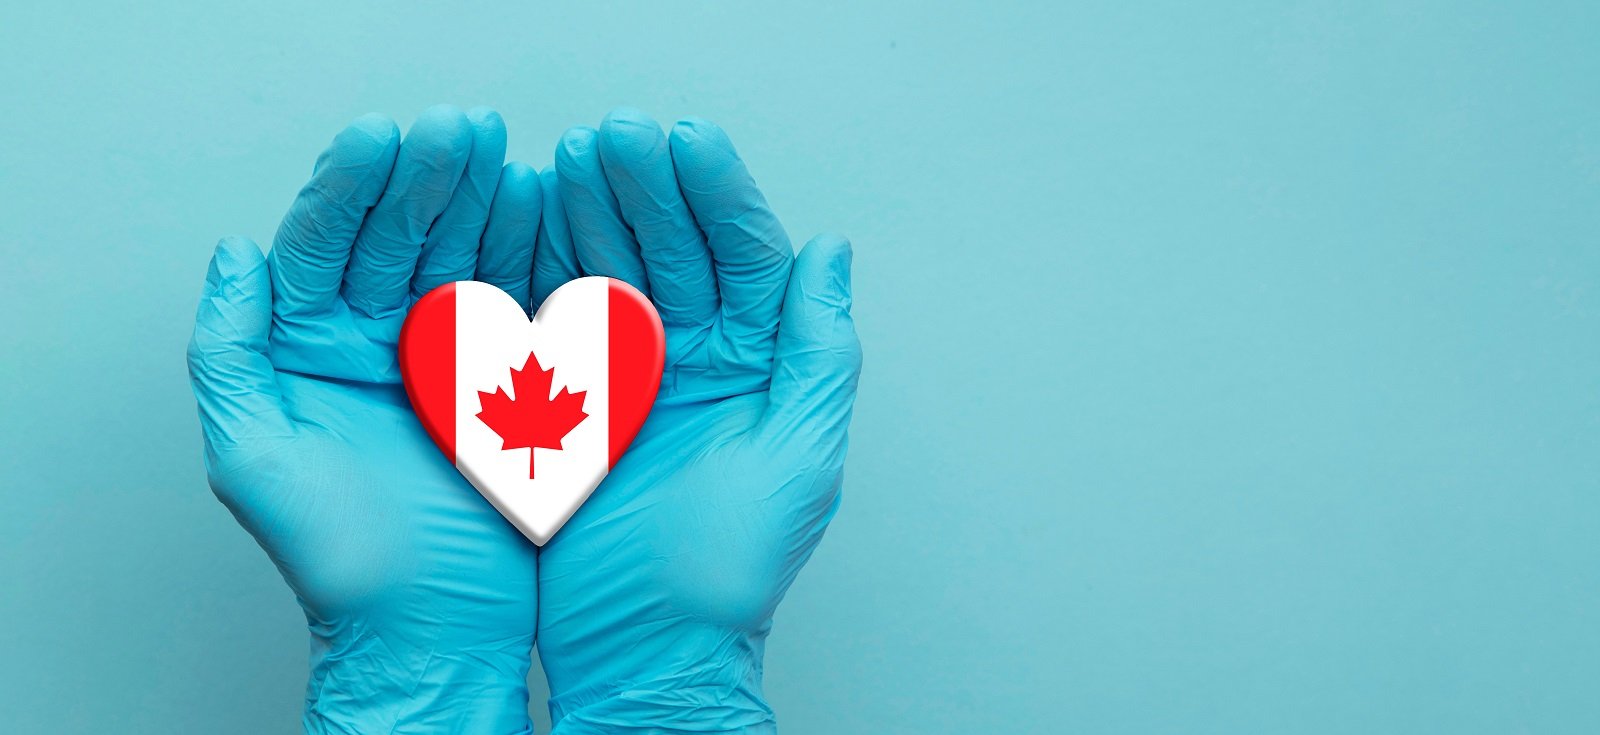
570 335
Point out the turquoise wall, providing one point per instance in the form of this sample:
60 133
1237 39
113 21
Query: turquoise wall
1231 367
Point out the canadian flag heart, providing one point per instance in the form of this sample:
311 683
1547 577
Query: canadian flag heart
533 413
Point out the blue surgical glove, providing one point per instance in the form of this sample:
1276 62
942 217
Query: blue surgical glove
420 598
656 598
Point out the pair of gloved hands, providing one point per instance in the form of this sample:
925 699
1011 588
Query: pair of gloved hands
651 606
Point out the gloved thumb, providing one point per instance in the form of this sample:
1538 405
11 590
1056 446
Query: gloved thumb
233 380
818 360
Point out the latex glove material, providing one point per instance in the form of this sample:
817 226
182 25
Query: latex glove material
657 596
419 597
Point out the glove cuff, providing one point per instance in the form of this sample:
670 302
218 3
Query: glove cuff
375 688
679 711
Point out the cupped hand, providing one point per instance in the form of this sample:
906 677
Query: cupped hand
420 599
656 598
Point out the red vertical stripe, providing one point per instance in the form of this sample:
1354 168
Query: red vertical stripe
428 362
636 348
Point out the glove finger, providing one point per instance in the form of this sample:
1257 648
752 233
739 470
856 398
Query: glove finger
818 361
638 166
233 380
451 251
426 172
751 251
555 260
604 244
505 258
313 244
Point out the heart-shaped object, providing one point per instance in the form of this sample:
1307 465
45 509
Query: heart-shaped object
533 414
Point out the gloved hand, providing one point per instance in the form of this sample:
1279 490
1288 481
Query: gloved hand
420 598
656 598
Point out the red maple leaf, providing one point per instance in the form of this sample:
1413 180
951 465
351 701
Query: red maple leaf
532 418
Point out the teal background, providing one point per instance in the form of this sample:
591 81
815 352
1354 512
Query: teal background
1231 367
